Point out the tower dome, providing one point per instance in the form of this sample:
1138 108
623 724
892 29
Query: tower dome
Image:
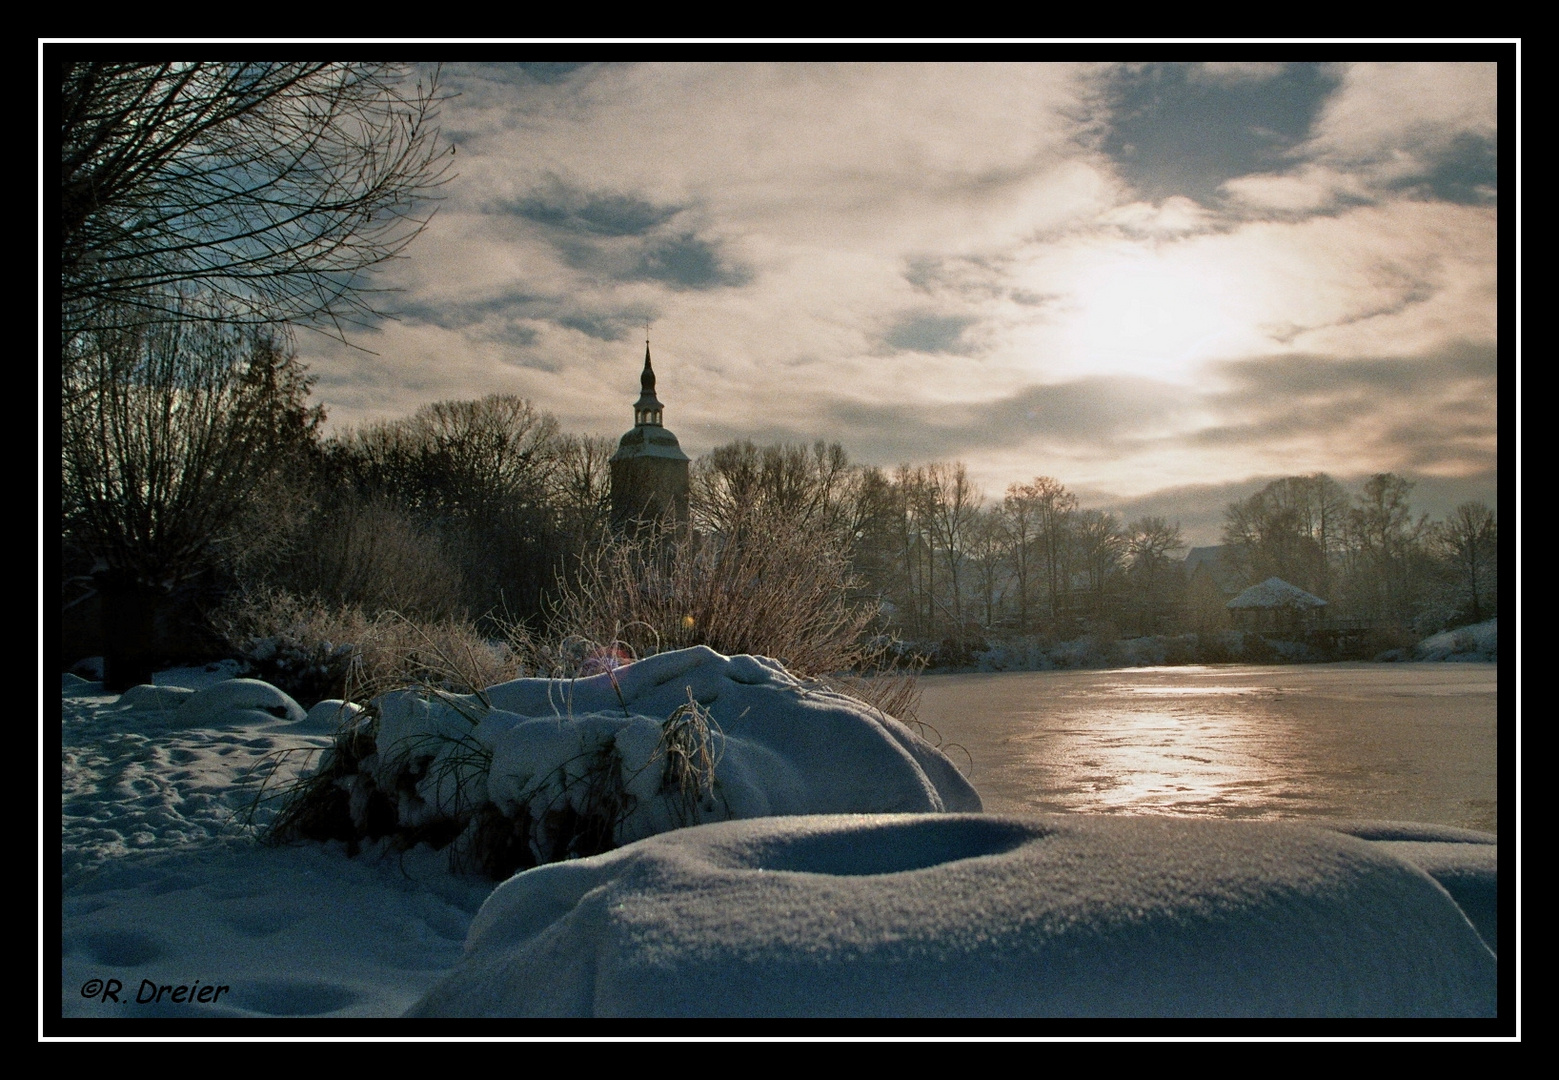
649 469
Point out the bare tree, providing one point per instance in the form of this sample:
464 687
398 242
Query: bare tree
1469 539
1291 529
1096 538
735 484
1148 544
1019 513
268 189
1054 509
169 434
1385 537
989 537
912 515
582 484
954 501
484 475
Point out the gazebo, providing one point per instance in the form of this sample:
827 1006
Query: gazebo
1275 605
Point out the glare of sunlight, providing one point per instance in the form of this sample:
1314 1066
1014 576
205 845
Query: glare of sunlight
1142 312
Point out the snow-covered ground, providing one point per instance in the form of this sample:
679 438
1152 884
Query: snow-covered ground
1470 644
1478 643
172 909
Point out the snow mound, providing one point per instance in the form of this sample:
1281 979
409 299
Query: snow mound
75 686
1276 593
1477 643
330 714
234 702
797 749
155 698
537 770
977 915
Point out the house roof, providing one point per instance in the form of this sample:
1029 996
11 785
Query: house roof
1215 562
1276 593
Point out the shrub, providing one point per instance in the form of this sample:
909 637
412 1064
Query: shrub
781 591
365 552
434 787
315 651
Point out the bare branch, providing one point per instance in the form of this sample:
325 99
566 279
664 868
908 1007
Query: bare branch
271 191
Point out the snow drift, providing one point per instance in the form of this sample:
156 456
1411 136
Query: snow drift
976 915
538 770
1477 643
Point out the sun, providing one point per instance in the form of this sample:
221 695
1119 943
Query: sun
1151 313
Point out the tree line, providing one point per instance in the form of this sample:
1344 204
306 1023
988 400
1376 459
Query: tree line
948 561
210 210
195 469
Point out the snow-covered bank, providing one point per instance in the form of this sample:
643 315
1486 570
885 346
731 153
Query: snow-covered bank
979 915
845 914
1468 644
165 883
1477 643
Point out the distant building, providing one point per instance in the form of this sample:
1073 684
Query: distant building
1212 578
649 470
1275 605
1216 565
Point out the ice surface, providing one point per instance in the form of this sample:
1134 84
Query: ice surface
958 914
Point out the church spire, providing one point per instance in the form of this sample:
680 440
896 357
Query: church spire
648 408
649 470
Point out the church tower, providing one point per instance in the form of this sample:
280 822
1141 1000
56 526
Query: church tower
649 470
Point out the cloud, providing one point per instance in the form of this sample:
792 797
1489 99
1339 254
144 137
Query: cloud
1382 111
1037 268
1427 130
1434 413
686 262
1228 74
1308 189
930 333
1176 215
574 210
512 317
603 326
1183 129
1090 412
623 237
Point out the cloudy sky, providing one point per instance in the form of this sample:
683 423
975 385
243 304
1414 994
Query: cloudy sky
1161 283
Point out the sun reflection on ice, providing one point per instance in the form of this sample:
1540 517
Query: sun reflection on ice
1183 751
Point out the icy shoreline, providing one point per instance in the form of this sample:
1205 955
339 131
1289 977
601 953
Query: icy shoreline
856 914
1468 644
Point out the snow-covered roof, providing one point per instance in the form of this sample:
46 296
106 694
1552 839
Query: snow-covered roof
1273 593
1198 556
649 440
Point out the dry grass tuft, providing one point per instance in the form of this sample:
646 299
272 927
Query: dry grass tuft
315 651
686 747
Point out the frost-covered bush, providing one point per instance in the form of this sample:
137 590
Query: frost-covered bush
773 588
316 651
538 770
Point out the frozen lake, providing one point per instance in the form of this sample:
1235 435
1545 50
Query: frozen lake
1406 742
